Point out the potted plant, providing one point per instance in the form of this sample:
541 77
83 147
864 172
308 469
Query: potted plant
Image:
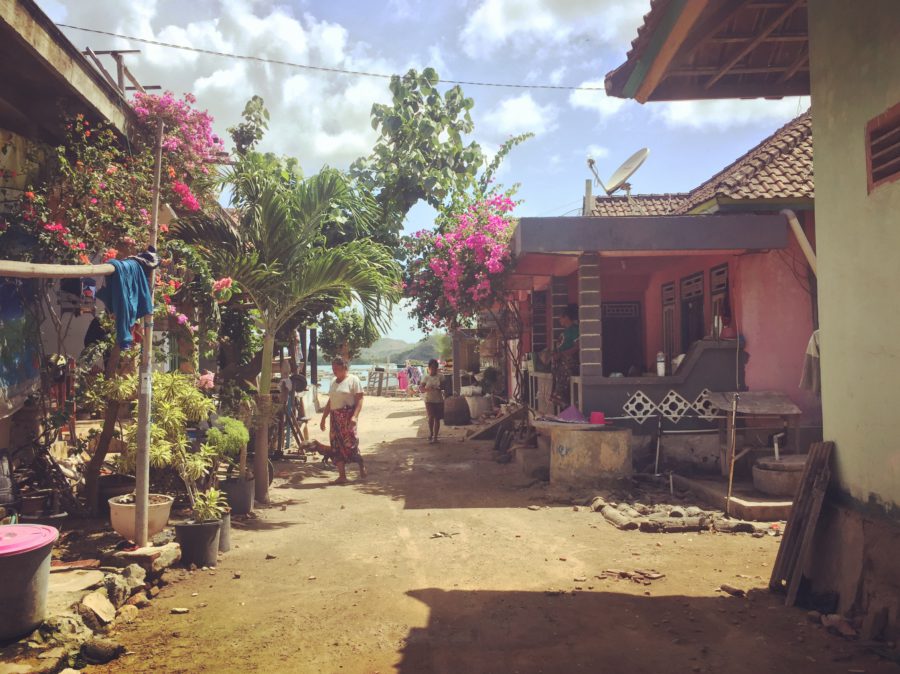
199 536
229 439
122 515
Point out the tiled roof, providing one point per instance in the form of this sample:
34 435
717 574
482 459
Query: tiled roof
639 204
780 167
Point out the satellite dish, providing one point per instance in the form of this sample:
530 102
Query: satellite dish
626 170
621 174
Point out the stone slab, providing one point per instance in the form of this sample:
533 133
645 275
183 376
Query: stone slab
746 503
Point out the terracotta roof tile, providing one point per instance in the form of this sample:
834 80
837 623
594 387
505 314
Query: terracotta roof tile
780 167
638 204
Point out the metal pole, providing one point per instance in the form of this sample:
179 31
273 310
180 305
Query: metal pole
145 373
732 443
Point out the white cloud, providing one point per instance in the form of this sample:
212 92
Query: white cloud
597 151
727 114
523 24
521 114
596 100
557 75
318 117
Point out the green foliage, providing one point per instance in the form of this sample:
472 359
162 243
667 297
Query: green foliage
420 153
444 345
176 402
227 438
248 133
209 505
345 333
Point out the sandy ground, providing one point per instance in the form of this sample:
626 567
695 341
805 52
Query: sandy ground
358 583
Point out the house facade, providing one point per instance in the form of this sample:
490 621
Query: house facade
710 281
847 57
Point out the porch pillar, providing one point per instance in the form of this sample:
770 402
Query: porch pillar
538 321
559 299
590 317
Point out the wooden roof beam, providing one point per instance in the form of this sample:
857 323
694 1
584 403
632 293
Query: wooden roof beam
711 26
761 36
796 66
686 19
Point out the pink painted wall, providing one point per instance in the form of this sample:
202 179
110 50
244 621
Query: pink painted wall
775 318
771 307
675 269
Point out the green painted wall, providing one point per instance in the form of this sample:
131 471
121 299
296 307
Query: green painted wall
855 67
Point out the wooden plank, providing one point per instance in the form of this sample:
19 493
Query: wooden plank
801 524
789 544
808 532
485 433
686 20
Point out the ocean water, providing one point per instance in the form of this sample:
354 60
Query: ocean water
326 375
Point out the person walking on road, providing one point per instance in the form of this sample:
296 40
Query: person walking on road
434 400
345 401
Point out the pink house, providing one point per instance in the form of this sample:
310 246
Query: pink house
715 274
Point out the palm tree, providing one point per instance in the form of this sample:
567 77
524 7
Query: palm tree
278 252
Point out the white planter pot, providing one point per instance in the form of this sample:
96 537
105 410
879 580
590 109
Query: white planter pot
122 515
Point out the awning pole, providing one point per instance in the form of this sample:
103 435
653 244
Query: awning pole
17 269
145 374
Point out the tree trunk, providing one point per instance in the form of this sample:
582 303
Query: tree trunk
110 416
263 416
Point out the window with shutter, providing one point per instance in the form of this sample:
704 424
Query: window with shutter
883 148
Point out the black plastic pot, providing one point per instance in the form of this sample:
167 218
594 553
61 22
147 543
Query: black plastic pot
239 493
199 542
225 533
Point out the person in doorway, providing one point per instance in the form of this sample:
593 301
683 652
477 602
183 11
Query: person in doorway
345 401
434 400
564 361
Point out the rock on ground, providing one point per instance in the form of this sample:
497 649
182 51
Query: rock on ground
100 651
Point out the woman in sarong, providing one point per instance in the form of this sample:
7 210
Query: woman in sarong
345 400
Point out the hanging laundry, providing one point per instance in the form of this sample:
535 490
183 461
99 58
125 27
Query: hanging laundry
127 295
811 378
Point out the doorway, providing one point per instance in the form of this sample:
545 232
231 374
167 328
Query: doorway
622 339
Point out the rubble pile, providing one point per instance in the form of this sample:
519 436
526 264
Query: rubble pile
625 512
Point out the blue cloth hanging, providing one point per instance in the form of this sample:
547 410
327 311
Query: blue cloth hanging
127 295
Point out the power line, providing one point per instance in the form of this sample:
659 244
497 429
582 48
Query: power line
306 66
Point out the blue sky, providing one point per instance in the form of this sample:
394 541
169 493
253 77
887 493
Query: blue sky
324 118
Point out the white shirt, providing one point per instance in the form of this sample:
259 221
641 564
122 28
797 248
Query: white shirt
343 394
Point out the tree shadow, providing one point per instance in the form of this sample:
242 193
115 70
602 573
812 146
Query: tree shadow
609 631
259 524
448 474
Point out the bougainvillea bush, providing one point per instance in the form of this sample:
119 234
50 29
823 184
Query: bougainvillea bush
459 270
93 201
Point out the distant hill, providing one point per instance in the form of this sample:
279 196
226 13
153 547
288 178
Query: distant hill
383 351
424 351
397 351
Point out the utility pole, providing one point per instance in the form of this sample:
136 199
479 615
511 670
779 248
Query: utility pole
145 376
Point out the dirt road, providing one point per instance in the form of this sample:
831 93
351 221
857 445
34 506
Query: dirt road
436 564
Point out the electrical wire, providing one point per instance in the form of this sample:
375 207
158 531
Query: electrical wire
306 66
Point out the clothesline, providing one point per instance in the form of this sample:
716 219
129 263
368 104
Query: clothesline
18 269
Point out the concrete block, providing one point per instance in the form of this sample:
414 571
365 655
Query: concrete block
580 458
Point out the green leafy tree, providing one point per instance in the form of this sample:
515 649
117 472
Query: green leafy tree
276 253
421 153
345 333
248 133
